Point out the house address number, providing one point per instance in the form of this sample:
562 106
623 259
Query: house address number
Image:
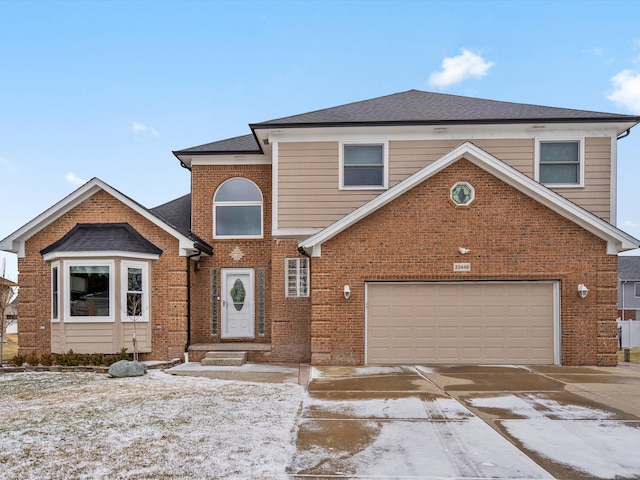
461 267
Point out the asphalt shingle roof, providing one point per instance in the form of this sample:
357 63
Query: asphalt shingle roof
103 237
628 268
176 213
415 107
243 144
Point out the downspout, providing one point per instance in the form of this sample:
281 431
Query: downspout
186 347
625 134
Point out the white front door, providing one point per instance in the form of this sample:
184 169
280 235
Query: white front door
237 303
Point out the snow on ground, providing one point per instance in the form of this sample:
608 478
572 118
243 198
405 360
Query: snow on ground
90 426
576 436
407 437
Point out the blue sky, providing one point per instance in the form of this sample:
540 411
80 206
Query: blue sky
109 88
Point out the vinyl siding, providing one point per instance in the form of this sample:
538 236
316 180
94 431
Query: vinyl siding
99 337
308 194
595 196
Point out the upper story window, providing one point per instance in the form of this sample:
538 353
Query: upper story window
363 165
560 162
462 194
237 210
637 288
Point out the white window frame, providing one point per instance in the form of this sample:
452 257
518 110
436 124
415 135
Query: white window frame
124 290
55 306
297 272
385 165
581 157
472 194
66 297
237 204
636 289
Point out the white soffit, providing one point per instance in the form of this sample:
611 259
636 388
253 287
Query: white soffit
441 131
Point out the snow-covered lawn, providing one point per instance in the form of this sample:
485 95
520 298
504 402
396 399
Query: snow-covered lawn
90 426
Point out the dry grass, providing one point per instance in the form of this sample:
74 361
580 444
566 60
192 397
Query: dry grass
634 355
10 347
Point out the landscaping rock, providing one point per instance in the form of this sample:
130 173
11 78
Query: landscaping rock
125 368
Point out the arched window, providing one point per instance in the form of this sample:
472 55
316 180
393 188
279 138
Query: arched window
237 210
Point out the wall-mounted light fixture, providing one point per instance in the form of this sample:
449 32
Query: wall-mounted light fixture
582 290
463 250
347 291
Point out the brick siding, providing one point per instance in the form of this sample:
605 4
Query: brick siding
168 279
511 237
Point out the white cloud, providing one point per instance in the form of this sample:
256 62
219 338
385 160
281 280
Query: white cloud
7 165
629 224
626 92
142 128
456 69
73 179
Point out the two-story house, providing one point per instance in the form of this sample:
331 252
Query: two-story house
414 228
629 288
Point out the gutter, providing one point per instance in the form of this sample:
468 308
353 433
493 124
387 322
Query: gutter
189 257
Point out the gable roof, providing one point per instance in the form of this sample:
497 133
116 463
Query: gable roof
413 107
617 240
629 268
188 242
100 237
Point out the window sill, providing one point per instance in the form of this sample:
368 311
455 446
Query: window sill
563 185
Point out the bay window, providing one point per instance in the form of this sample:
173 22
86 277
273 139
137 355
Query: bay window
89 291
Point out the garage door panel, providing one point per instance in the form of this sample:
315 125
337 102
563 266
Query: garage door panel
474 322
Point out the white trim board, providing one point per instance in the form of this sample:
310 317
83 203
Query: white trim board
15 242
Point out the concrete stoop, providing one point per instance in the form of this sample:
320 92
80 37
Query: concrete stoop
224 359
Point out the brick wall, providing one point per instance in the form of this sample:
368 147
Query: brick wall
511 236
255 253
286 320
168 279
291 332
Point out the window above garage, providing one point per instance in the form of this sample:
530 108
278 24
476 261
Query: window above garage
363 166
560 163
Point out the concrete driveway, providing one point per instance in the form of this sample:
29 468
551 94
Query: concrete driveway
470 423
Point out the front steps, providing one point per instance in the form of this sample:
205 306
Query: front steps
224 359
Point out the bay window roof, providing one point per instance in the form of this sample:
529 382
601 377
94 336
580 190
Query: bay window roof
100 237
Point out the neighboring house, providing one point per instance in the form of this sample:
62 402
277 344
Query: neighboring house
9 301
414 228
11 323
629 288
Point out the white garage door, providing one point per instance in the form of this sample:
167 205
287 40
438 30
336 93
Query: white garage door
461 323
